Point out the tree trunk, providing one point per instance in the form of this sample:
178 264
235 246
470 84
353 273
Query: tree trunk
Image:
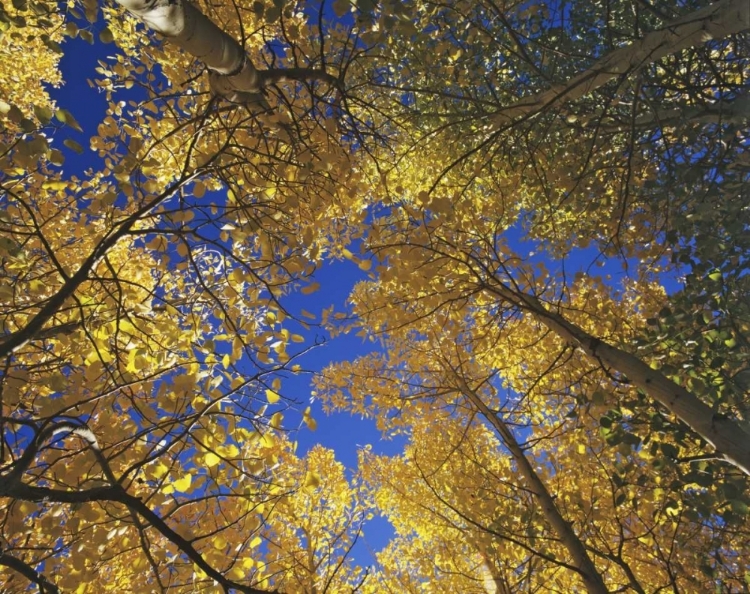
726 435
233 74
715 21
591 577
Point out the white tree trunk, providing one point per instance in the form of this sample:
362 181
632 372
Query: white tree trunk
591 577
187 27
728 437
716 21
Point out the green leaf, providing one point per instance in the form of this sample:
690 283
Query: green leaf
56 157
51 44
73 145
43 114
64 116
28 125
105 35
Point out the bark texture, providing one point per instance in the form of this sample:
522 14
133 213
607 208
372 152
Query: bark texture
233 74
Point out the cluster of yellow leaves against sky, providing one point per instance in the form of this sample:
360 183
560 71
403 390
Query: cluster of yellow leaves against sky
138 320
407 389
26 61
143 149
455 511
299 527
135 322
150 137
150 143
433 310
248 153
428 286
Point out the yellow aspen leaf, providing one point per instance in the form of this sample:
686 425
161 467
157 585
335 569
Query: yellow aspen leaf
211 459
272 396
159 470
308 420
237 348
312 480
57 382
267 440
56 157
230 451
132 365
183 484
237 572
237 275
54 185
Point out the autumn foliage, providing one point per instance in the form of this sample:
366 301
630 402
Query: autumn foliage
547 206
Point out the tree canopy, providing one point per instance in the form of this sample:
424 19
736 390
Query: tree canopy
548 206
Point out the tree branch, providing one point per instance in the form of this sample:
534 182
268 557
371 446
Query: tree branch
715 21
29 332
31 574
12 486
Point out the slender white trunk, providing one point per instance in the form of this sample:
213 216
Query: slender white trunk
715 21
191 30
728 437
591 577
